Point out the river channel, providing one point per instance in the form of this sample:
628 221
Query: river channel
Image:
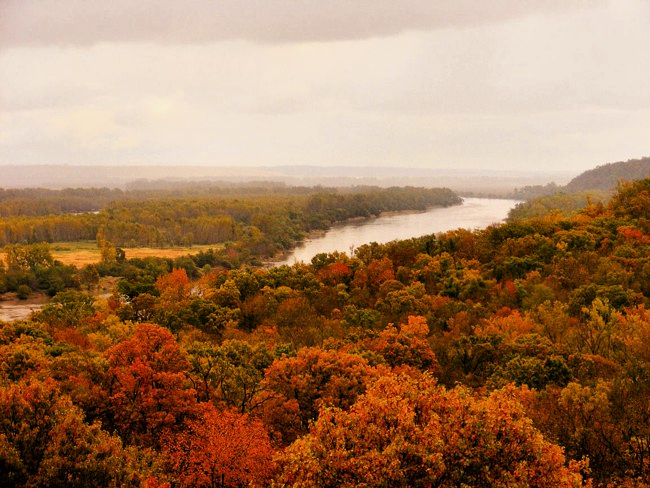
474 213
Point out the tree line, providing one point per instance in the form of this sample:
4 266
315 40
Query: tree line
278 220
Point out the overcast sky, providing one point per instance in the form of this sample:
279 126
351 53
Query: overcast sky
504 84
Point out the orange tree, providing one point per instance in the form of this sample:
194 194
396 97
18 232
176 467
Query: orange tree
147 385
411 432
294 388
219 449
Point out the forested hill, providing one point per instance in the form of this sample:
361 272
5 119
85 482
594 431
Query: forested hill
595 185
606 177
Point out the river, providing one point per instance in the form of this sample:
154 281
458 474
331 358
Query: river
474 213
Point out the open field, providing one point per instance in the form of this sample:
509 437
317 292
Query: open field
82 253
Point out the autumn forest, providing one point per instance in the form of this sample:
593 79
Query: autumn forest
516 355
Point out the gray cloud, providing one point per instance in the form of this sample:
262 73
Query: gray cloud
83 22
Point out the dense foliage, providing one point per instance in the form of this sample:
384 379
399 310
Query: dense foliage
533 191
45 201
518 355
265 222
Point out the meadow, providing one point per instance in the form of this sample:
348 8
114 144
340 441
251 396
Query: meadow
83 253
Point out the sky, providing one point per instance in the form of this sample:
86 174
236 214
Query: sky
541 85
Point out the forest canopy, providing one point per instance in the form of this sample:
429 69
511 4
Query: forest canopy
516 355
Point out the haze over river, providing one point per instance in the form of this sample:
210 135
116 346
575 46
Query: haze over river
474 213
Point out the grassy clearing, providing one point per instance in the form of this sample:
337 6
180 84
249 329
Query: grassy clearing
81 253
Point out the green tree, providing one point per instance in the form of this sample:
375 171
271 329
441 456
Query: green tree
69 308
28 257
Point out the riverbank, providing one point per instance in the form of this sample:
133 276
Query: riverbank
281 257
13 308
473 213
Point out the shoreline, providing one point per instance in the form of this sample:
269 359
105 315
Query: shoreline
471 213
279 258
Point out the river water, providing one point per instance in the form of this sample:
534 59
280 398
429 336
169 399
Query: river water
18 310
474 213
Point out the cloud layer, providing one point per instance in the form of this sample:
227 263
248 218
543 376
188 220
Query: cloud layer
83 22
470 84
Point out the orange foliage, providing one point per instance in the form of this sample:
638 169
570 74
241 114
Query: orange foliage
633 235
147 384
416 326
334 273
410 432
510 326
297 387
220 448
406 346
72 336
153 482
380 271
376 273
174 289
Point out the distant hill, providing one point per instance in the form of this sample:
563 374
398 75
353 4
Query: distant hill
595 185
605 177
